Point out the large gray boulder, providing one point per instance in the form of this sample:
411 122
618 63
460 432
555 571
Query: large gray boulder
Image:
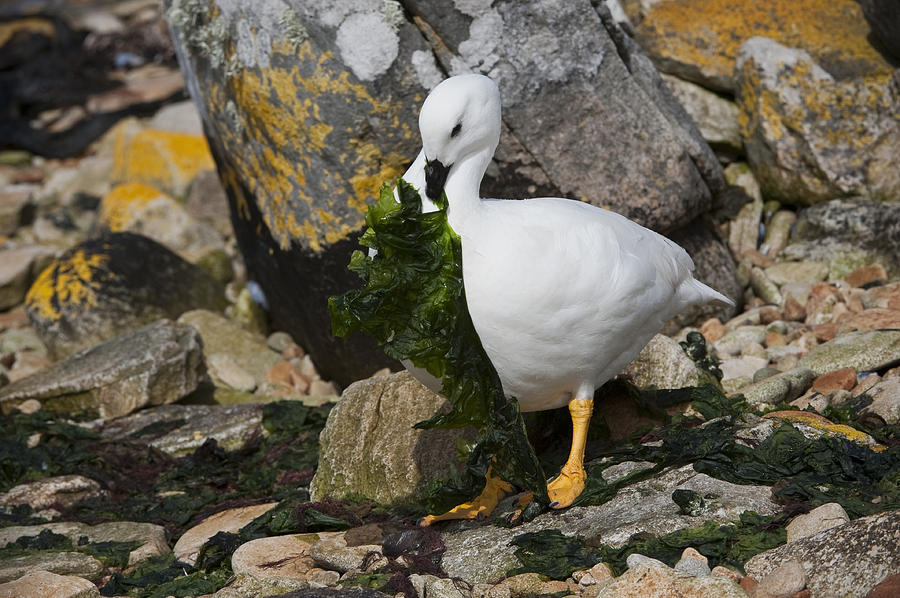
309 107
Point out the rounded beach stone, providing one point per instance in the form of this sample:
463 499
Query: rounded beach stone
109 285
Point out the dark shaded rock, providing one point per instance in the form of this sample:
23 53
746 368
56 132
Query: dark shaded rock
810 136
112 284
157 364
884 19
846 560
18 268
316 107
369 448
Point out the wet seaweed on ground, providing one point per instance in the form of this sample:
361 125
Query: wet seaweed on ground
161 576
413 303
111 554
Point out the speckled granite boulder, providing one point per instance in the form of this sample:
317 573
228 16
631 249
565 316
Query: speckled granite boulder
310 106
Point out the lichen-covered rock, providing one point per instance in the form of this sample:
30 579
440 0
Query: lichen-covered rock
863 351
167 160
783 387
141 209
43 584
109 285
310 107
846 560
698 40
369 447
157 364
811 137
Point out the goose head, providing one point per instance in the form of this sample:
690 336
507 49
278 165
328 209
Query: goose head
460 120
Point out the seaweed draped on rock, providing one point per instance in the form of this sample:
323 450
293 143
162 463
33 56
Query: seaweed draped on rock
310 106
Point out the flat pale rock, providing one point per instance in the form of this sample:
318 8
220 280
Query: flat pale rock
275 557
862 351
43 584
159 363
885 397
61 563
823 517
188 545
846 560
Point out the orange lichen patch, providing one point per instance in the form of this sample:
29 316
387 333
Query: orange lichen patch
31 25
165 159
66 281
814 420
708 33
281 119
119 206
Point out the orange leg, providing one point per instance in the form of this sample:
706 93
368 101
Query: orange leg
566 487
482 506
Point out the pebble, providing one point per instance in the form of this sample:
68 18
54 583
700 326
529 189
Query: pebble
867 275
842 379
818 520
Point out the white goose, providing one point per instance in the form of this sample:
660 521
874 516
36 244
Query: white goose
562 294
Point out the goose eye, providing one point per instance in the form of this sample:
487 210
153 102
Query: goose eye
456 130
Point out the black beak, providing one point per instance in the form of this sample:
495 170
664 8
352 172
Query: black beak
435 177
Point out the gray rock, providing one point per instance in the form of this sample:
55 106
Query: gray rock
692 567
885 397
863 351
818 520
842 257
157 364
368 446
21 339
783 387
664 364
18 269
207 202
716 117
98 290
187 427
333 593
277 156
847 560
870 226
783 582
223 336
43 584
735 340
223 368
247 586
482 553
180 117
801 127
67 490
279 341
61 563
152 538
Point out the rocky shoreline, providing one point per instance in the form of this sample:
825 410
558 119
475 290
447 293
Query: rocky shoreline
161 436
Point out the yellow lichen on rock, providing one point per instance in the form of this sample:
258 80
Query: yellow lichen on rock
164 159
64 281
704 35
282 119
119 207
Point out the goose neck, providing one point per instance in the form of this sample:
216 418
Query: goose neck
463 187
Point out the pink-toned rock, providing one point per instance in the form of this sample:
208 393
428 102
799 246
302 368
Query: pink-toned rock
274 557
866 275
821 302
843 379
871 319
720 571
889 587
783 582
775 339
712 330
887 296
793 311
